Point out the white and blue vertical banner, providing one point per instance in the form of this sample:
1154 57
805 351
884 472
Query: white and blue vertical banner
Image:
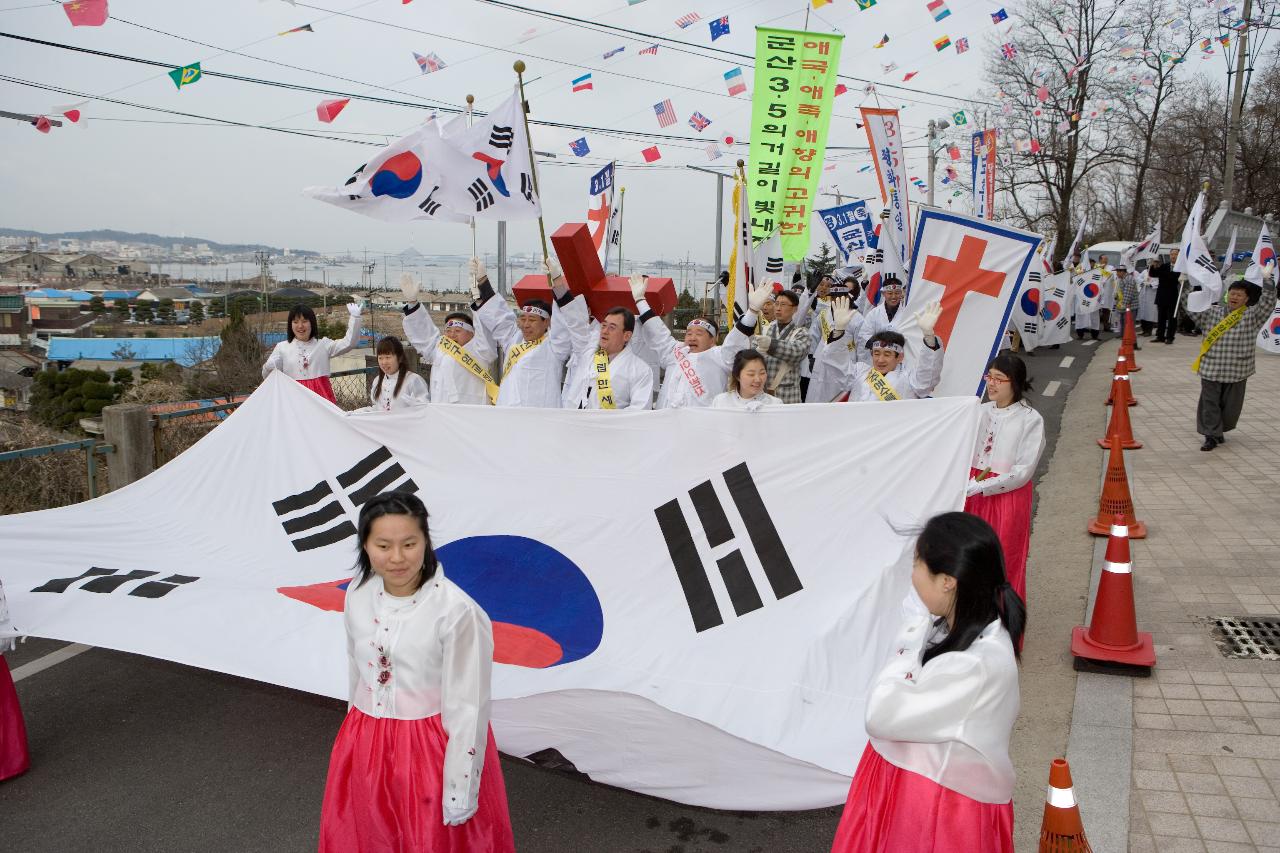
677 630
977 269
852 230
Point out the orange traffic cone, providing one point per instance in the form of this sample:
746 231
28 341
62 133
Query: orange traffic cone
1120 428
1112 635
1120 374
1130 341
1115 499
1062 830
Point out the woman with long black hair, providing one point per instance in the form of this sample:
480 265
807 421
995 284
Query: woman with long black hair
397 387
301 356
936 776
414 767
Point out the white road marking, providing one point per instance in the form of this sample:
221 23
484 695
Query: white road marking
1051 389
1090 343
40 664
1067 361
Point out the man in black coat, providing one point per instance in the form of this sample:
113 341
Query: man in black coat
1167 287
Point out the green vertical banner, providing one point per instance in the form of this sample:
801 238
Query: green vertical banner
791 110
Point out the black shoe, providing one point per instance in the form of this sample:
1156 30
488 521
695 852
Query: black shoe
1209 443
1169 341
1220 439
1094 335
1056 346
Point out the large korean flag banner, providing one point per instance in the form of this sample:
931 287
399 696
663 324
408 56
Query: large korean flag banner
664 614
1055 310
977 268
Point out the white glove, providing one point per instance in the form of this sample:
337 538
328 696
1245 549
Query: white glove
476 266
760 343
355 308
973 488
637 287
409 288
927 318
552 268
459 816
758 297
841 313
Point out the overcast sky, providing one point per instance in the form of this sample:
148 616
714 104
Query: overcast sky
126 171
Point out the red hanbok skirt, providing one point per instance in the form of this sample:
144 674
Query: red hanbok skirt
14 758
1009 514
896 811
384 788
321 386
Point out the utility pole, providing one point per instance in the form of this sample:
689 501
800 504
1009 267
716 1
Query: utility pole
502 257
720 176
264 266
1237 106
934 128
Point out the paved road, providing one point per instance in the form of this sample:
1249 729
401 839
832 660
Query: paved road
135 754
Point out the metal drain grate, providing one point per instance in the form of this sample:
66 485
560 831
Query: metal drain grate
1242 637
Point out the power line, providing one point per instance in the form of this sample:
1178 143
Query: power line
692 49
693 141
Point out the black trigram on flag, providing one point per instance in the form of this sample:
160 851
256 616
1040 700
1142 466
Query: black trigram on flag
429 205
1034 276
109 580
480 194
773 266
694 577
526 187
318 516
500 137
1206 262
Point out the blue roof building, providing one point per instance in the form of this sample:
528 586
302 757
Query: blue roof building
183 351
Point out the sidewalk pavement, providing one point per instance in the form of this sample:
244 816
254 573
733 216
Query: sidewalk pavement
1203 772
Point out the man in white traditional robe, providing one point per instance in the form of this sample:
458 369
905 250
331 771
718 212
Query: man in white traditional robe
698 369
886 377
534 339
461 358
604 372
881 318
832 366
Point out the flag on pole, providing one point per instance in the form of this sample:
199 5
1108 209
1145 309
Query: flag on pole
733 79
1075 241
686 21
186 75
599 217
740 259
651 154
719 27
1269 334
583 83
1264 254
665 112
938 8
1197 263
86 13
579 147
1055 314
1231 250
305 28
1146 250
883 41
942 43
998 15
651 50
699 122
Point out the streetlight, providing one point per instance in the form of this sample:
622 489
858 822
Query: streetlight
934 128
720 176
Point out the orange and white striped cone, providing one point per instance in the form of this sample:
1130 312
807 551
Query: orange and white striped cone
1120 382
1112 635
1062 830
1120 429
1130 339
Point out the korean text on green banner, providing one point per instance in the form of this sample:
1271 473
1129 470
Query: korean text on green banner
791 111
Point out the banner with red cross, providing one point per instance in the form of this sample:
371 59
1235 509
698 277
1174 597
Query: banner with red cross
977 268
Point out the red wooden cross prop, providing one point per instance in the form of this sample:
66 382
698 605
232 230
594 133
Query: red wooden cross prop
959 277
585 277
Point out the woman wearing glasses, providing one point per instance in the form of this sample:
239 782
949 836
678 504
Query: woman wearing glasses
1010 441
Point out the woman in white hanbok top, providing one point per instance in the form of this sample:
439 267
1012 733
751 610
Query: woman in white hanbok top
397 387
414 768
936 776
306 359
747 381
1010 442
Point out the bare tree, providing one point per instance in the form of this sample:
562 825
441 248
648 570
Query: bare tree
1057 97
